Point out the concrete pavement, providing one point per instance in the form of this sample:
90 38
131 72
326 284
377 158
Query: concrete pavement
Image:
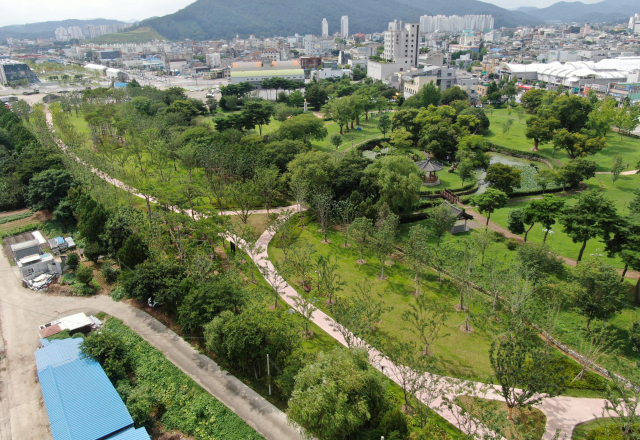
22 310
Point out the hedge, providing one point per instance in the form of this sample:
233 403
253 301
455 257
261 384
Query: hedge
182 404
14 217
537 192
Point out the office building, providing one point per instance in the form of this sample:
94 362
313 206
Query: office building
344 26
325 27
401 44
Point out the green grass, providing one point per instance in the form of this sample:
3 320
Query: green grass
581 430
627 147
369 131
141 35
447 181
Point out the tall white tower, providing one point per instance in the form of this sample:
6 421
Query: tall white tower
325 27
344 26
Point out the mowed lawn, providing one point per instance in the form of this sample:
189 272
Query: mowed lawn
625 146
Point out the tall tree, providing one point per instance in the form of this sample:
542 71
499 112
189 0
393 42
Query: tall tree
417 252
541 130
426 320
429 95
384 124
383 239
592 216
504 177
489 201
267 184
440 221
323 207
360 231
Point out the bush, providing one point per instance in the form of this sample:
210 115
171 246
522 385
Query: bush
110 274
84 275
605 433
634 336
395 422
73 260
83 290
512 244
118 293
571 369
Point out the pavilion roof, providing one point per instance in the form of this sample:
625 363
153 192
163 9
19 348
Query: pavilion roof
429 165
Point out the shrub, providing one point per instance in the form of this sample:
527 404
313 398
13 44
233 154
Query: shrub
73 260
83 290
605 433
84 275
110 274
118 293
512 244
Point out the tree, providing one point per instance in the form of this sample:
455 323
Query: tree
243 196
426 320
340 111
429 95
267 185
397 180
545 178
383 239
336 140
545 211
617 168
299 262
524 373
345 212
504 177
541 130
601 294
466 170
626 243
360 230
622 394
453 94
533 98
48 188
441 220
92 219
22 109
73 260
337 396
571 110
538 262
257 113
577 144
330 281
158 279
384 124
186 109
577 170
323 206
304 127
212 105
489 201
506 127
134 251
417 252
84 275
316 96
481 241
592 216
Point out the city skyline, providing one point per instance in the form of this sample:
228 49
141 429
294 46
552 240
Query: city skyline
34 11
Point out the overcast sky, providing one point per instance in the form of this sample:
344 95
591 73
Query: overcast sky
34 11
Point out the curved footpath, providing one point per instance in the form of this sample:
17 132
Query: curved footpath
563 413
22 310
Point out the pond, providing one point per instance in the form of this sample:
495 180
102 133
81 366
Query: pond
529 169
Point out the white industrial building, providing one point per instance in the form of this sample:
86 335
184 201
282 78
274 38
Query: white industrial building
575 74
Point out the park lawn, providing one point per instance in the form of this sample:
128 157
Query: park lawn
626 146
581 430
447 181
369 131
461 355
621 194
260 222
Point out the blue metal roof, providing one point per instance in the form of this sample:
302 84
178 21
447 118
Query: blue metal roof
58 352
81 402
131 434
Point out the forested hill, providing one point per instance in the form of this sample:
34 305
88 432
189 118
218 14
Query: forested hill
210 19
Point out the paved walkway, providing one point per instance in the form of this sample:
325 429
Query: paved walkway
22 310
624 173
563 413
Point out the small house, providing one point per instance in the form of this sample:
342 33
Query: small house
78 323
25 249
35 265
460 215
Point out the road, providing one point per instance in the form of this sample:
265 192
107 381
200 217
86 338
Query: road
22 310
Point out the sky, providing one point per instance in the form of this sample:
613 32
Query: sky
34 11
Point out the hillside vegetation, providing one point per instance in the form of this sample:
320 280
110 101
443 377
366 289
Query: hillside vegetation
141 35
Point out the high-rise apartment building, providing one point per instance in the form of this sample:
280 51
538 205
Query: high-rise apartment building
344 26
455 23
634 23
401 43
325 27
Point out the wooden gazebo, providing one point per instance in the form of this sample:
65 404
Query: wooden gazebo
430 167
459 214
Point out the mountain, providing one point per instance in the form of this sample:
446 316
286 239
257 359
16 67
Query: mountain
526 9
578 12
46 29
212 19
